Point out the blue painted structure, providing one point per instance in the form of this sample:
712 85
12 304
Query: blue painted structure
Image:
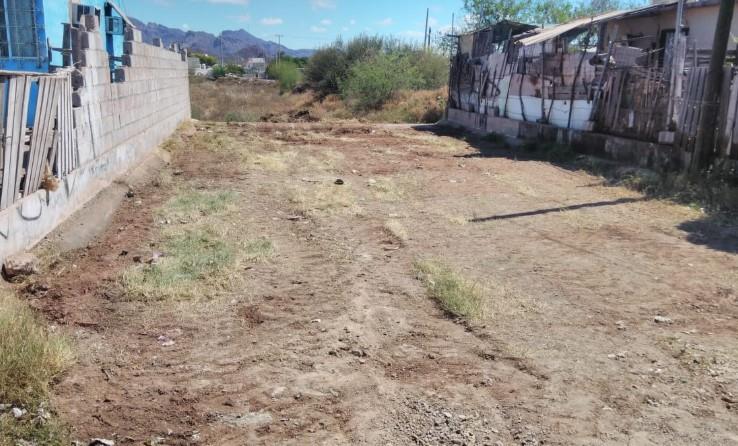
23 36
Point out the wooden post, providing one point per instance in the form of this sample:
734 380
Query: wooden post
705 144
576 76
677 64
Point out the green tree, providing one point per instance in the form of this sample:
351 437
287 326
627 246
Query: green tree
485 13
218 71
327 68
373 81
286 72
205 59
234 69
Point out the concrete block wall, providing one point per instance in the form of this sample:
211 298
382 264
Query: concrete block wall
117 124
658 157
150 95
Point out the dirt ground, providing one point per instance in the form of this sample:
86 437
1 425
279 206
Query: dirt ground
611 318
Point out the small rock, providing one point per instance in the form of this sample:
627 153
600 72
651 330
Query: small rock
316 321
372 181
130 194
17 412
662 320
165 341
24 264
101 442
339 182
620 325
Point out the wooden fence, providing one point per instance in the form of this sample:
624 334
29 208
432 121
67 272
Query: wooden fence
37 129
633 103
690 109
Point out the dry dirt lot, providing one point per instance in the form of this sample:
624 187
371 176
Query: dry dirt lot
608 318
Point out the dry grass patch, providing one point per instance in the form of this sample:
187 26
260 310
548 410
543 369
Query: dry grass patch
453 292
195 263
396 231
193 205
31 357
259 250
389 189
276 161
322 198
202 248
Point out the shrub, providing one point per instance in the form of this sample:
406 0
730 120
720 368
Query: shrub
432 69
326 69
234 69
286 72
454 293
372 82
218 71
30 356
205 59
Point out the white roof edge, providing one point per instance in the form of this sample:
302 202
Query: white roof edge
550 33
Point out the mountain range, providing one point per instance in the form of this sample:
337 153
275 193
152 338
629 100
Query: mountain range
236 45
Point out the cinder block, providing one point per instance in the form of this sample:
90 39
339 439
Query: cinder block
133 34
91 22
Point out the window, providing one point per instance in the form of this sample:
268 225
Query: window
21 28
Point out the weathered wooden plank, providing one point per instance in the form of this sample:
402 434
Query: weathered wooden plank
36 137
21 145
18 94
49 93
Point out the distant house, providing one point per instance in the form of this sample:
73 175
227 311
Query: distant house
635 75
256 67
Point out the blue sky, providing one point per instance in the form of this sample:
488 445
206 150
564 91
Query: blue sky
304 23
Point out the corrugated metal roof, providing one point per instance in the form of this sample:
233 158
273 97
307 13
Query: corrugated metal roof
548 34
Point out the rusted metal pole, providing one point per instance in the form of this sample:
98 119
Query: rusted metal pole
705 145
576 76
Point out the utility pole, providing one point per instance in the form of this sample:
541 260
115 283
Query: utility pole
425 34
279 47
221 49
707 129
453 19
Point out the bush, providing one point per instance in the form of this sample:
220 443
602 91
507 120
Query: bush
219 71
234 69
432 69
374 81
327 69
205 59
30 356
286 72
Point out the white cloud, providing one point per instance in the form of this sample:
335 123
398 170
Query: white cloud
185 26
318 29
323 4
242 18
386 22
326 22
271 21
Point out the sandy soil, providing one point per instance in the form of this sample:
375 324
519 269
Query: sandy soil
334 341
